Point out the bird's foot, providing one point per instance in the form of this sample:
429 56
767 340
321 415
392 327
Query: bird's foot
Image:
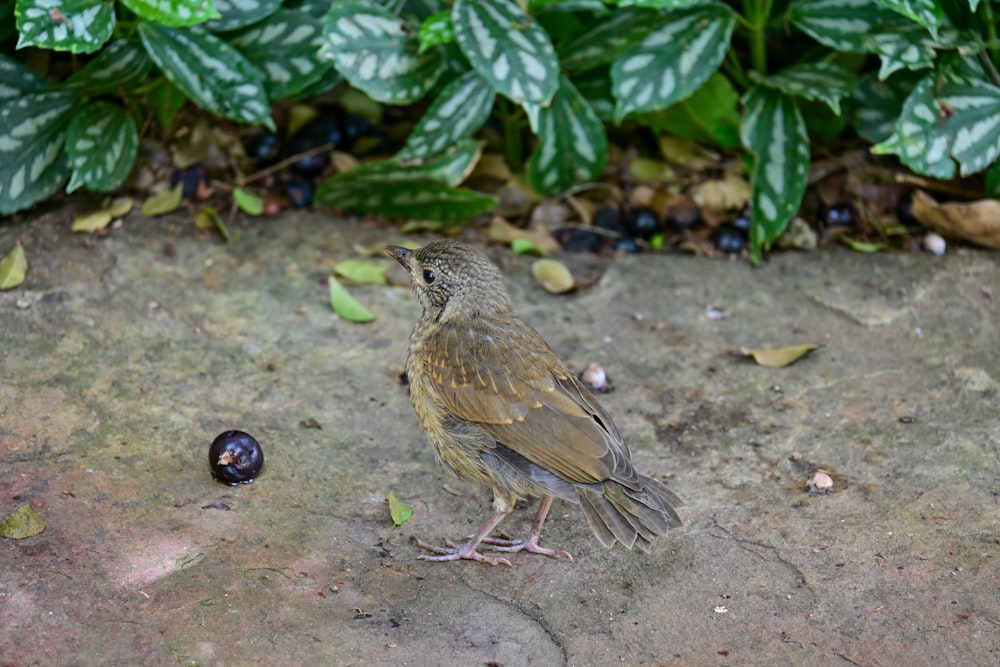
455 552
509 544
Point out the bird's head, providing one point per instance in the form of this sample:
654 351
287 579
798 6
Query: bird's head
451 280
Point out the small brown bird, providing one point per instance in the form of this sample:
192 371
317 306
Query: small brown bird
500 407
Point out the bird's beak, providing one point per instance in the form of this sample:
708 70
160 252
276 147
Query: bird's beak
402 255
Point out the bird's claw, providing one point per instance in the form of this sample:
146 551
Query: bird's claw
530 545
454 552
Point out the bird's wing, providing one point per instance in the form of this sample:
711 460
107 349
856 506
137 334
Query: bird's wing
512 385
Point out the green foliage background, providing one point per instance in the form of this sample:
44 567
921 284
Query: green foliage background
916 78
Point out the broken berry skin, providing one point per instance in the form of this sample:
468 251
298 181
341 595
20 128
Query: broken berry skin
235 457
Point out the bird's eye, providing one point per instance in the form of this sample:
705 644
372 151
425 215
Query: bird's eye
428 276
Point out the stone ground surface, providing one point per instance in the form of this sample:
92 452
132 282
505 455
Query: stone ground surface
122 357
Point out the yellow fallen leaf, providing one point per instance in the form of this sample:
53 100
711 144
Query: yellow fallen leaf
553 276
398 510
13 268
778 357
164 202
25 522
93 222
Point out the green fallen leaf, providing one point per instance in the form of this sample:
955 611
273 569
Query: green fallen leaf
23 523
398 510
360 271
346 305
523 246
250 203
164 202
13 268
862 246
778 357
209 218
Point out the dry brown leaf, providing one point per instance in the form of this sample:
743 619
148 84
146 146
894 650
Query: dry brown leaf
977 221
493 166
727 194
778 357
502 231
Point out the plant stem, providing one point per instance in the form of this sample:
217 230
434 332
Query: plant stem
757 13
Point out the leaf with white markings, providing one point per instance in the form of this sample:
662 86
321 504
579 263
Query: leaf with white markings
864 26
876 105
235 14
672 61
508 49
379 54
826 82
450 167
603 43
210 72
285 50
947 120
773 130
33 164
927 13
435 30
16 79
78 26
101 143
458 111
119 66
572 147
173 13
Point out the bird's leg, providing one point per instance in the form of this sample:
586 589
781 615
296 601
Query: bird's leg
531 544
468 550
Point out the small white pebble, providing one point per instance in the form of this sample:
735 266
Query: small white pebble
820 482
594 376
716 313
23 303
933 243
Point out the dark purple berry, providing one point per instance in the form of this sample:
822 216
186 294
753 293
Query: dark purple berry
904 211
728 239
193 178
741 222
642 223
299 191
235 457
574 239
264 149
610 218
315 133
839 215
626 244
355 127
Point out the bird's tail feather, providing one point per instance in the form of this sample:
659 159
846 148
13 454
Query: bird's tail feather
633 516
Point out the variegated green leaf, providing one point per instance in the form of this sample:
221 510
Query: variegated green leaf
822 81
572 147
16 79
173 13
32 162
120 66
210 72
435 30
603 43
78 26
927 13
285 50
240 13
944 122
101 143
876 105
773 130
378 53
508 49
710 116
458 111
595 86
657 4
450 167
420 199
863 26
674 60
